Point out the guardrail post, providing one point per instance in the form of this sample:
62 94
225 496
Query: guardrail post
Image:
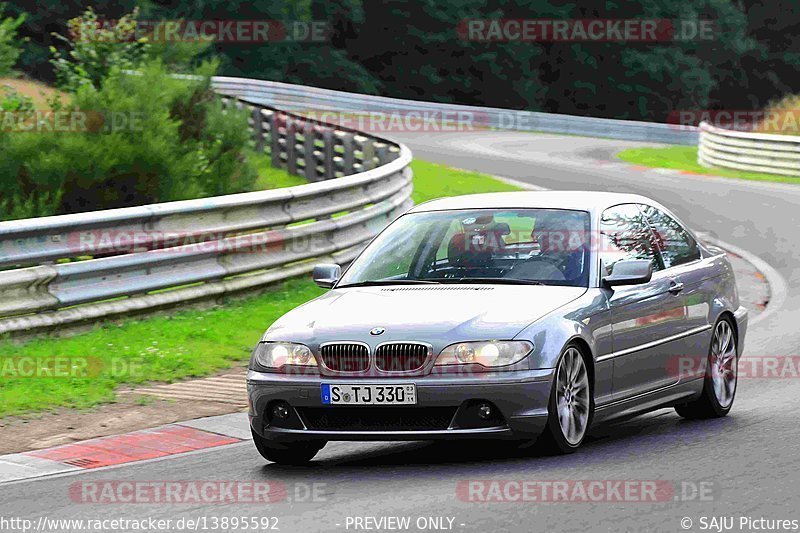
382 153
367 154
258 129
349 155
310 134
328 142
275 139
291 140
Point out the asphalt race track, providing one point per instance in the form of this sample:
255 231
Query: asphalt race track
747 464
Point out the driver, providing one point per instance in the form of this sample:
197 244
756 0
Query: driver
562 237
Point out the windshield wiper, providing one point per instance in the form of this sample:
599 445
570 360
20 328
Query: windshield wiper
374 282
503 281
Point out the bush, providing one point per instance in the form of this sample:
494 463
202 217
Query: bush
14 101
95 49
123 139
9 49
782 117
140 139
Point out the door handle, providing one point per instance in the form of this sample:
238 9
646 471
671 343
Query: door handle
676 288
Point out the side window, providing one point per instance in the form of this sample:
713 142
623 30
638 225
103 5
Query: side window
624 234
676 245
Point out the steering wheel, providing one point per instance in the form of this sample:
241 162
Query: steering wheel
539 267
547 259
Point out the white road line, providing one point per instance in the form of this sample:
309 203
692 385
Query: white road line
776 282
517 183
17 466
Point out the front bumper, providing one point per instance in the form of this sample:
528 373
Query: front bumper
520 396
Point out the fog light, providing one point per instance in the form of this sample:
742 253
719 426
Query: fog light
485 411
280 411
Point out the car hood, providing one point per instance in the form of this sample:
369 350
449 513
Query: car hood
435 314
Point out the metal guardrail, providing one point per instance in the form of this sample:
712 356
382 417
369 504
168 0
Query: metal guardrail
301 98
754 152
80 267
73 268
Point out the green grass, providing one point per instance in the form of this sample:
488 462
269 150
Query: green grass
161 348
436 181
685 158
270 177
431 180
191 343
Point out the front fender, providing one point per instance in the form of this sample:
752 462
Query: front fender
586 318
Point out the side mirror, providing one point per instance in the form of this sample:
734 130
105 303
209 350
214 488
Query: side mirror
326 275
630 272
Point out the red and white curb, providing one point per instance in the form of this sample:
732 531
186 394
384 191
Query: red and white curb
163 441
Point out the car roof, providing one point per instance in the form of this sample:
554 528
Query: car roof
592 201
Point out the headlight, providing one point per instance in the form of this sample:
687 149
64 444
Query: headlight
278 354
487 353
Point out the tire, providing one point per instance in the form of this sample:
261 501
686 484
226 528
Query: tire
719 382
571 405
292 453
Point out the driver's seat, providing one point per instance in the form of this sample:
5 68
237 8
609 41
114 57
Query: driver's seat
476 247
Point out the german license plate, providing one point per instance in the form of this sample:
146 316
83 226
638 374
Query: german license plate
352 394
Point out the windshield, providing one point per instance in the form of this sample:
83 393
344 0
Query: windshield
547 246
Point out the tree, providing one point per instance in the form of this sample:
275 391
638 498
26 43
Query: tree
9 49
415 49
412 49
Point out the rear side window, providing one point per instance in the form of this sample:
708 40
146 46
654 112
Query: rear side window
624 234
676 245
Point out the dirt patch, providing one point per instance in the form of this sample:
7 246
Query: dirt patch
37 91
64 426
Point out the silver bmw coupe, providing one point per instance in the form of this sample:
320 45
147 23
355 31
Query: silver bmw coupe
527 316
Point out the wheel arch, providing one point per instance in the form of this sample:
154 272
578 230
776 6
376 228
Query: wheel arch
586 352
734 323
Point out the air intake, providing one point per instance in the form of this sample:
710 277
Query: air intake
345 357
401 357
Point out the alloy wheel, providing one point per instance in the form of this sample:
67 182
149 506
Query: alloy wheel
572 396
723 364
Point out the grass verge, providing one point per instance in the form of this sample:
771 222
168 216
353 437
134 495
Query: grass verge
685 158
190 343
270 177
432 181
